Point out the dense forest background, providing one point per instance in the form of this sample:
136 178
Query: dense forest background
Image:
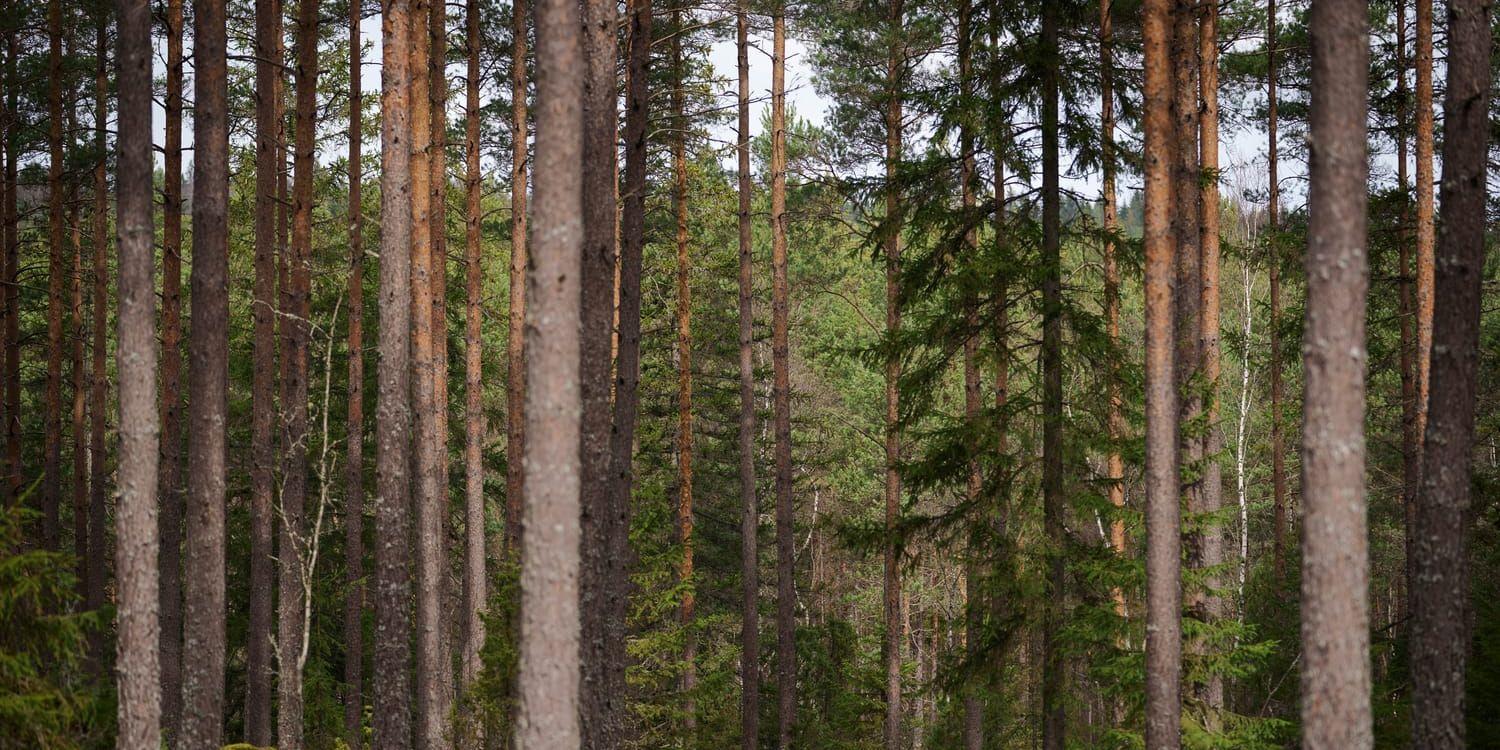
918 287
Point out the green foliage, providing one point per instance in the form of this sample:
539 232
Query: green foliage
51 696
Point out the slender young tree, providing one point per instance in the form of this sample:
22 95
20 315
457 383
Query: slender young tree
1211 545
354 502
437 165
1273 225
1053 668
99 375
1335 559
1163 512
1425 228
392 715
137 666
268 127
973 700
1411 439
1441 630
549 659
749 508
12 291
628 359
208 344
684 373
428 496
600 116
57 274
515 389
475 598
1115 422
78 334
170 471
891 250
781 388
12 272
294 546
6 311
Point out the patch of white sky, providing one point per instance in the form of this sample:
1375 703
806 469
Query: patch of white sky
1242 155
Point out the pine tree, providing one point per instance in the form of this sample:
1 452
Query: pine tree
1440 603
393 418
208 342
1163 513
549 662
136 663
171 463
354 501
268 136
1335 678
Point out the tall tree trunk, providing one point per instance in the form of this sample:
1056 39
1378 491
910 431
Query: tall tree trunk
170 471
1163 512
1335 560
1411 439
891 583
427 443
56 275
393 419
437 91
684 374
1211 544
98 403
137 663
1426 231
7 311
268 127
78 334
354 501
295 543
12 272
1441 632
1114 463
1053 668
474 421
628 360
515 406
208 344
781 388
1186 222
1273 226
749 507
973 700
599 25
549 659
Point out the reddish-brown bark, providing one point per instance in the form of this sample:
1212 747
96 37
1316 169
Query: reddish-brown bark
208 376
1443 615
786 590
268 137
392 715
57 274
474 418
171 461
354 500
515 391
1163 513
